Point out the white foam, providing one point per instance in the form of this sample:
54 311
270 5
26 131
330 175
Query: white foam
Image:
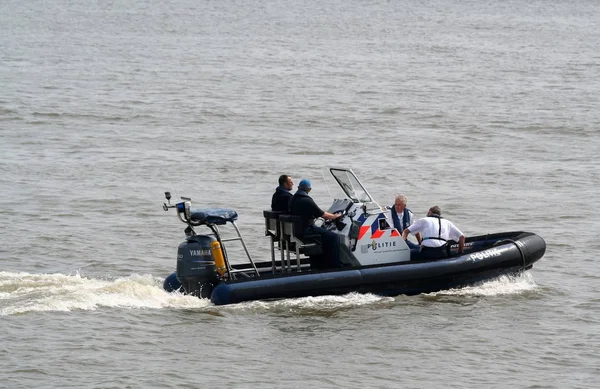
24 292
502 285
323 303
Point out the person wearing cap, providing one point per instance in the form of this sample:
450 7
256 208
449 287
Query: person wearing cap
436 232
283 194
301 204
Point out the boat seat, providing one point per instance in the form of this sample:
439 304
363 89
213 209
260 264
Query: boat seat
218 216
273 231
294 239
272 224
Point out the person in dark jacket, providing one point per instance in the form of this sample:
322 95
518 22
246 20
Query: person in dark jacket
403 217
283 194
304 206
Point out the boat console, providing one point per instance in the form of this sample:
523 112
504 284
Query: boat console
340 206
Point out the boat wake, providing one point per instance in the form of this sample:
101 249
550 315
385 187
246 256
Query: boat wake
24 292
21 293
319 304
503 285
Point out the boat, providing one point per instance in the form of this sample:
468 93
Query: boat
217 265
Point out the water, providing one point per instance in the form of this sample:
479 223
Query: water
486 109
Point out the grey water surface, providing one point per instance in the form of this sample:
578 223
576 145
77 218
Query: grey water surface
488 109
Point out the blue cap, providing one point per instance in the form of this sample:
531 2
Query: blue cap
304 184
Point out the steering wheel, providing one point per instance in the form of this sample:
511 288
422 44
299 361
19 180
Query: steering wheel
331 224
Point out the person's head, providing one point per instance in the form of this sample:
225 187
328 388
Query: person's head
286 182
400 203
304 185
434 211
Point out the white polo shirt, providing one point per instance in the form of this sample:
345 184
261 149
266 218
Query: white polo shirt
429 228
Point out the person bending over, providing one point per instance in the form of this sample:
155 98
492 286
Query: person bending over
436 232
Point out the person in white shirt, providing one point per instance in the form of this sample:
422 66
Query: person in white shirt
436 232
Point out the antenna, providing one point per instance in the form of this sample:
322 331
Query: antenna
325 181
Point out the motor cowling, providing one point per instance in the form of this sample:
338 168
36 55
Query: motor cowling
196 270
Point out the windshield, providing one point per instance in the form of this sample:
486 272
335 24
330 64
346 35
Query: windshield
350 185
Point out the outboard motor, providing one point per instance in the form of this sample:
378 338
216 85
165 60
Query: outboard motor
196 268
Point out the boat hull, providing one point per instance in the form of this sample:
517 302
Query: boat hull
510 255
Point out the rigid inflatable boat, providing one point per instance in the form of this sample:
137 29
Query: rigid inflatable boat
373 256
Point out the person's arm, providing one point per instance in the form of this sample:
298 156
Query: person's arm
318 212
455 232
405 233
331 216
411 221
